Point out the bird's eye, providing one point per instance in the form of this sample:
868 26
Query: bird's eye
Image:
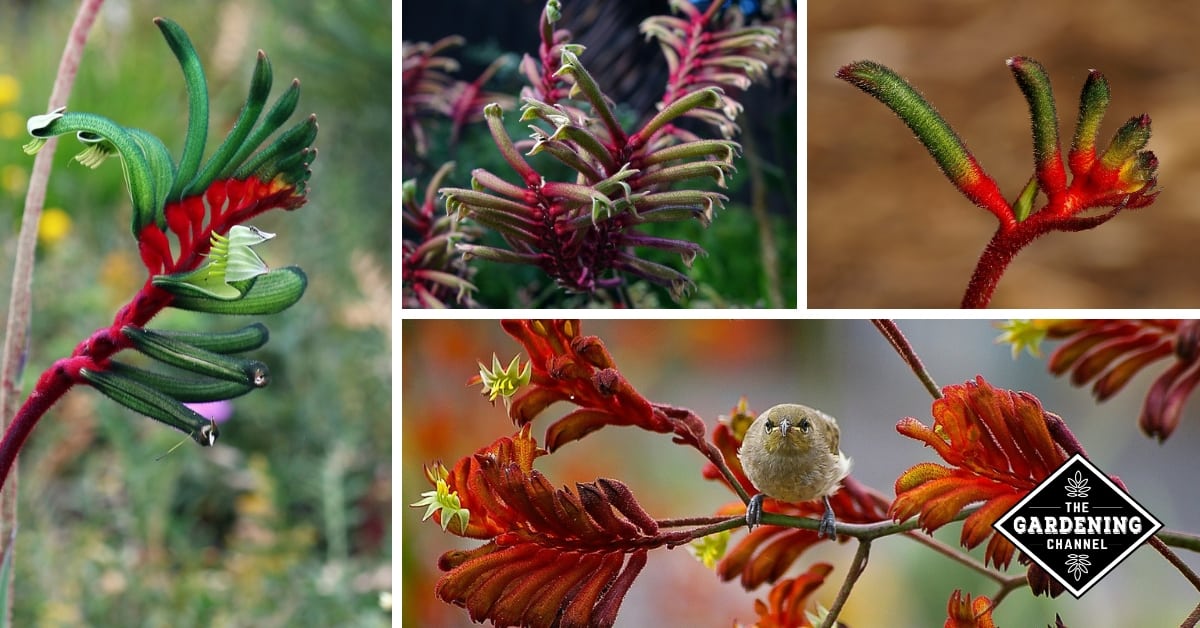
770 425
804 425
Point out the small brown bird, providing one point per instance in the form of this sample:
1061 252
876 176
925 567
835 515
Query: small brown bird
791 453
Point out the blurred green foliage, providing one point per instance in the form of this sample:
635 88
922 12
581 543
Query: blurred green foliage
287 520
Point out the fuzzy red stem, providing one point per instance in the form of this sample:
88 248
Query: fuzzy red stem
995 259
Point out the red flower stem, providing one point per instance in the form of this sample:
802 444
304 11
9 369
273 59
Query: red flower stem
892 333
63 374
1192 619
1175 561
996 257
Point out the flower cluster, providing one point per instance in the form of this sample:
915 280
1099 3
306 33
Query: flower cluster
433 272
551 555
429 91
1108 353
210 268
1000 445
584 233
1122 177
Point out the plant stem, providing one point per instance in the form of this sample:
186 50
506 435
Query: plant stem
16 334
997 255
856 568
1192 619
1182 540
1175 561
955 555
1008 585
892 333
691 521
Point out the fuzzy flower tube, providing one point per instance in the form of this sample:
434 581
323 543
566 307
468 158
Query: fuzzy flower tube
189 218
1121 177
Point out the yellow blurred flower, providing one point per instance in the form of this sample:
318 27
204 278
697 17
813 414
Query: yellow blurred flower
13 179
54 225
12 125
10 90
119 275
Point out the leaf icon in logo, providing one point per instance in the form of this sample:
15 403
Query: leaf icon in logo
1077 564
1077 486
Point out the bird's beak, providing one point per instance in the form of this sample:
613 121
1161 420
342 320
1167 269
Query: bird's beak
784 426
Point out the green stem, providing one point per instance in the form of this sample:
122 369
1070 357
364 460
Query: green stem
1183 540
856 568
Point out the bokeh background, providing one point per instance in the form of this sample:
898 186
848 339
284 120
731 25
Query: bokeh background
843 367
287 520
886 229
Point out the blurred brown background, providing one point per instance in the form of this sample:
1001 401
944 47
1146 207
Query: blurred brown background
886 229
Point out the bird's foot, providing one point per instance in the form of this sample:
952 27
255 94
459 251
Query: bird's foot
828 526
754 511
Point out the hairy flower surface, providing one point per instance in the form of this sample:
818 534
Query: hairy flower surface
1122 177
999 446
962 612
553 555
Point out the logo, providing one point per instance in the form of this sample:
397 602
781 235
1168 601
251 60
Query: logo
1077 525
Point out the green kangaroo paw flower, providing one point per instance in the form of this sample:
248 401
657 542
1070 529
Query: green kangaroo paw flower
1093 102
162 170
951 155
247 338
279 113
186 390
153 403
230 260
271 293
266 163
141 172
1035 85
260 88
172 351
197 88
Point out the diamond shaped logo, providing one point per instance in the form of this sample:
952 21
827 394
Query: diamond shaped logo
1077 525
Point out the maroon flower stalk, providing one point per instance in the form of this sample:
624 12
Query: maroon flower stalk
1123 177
